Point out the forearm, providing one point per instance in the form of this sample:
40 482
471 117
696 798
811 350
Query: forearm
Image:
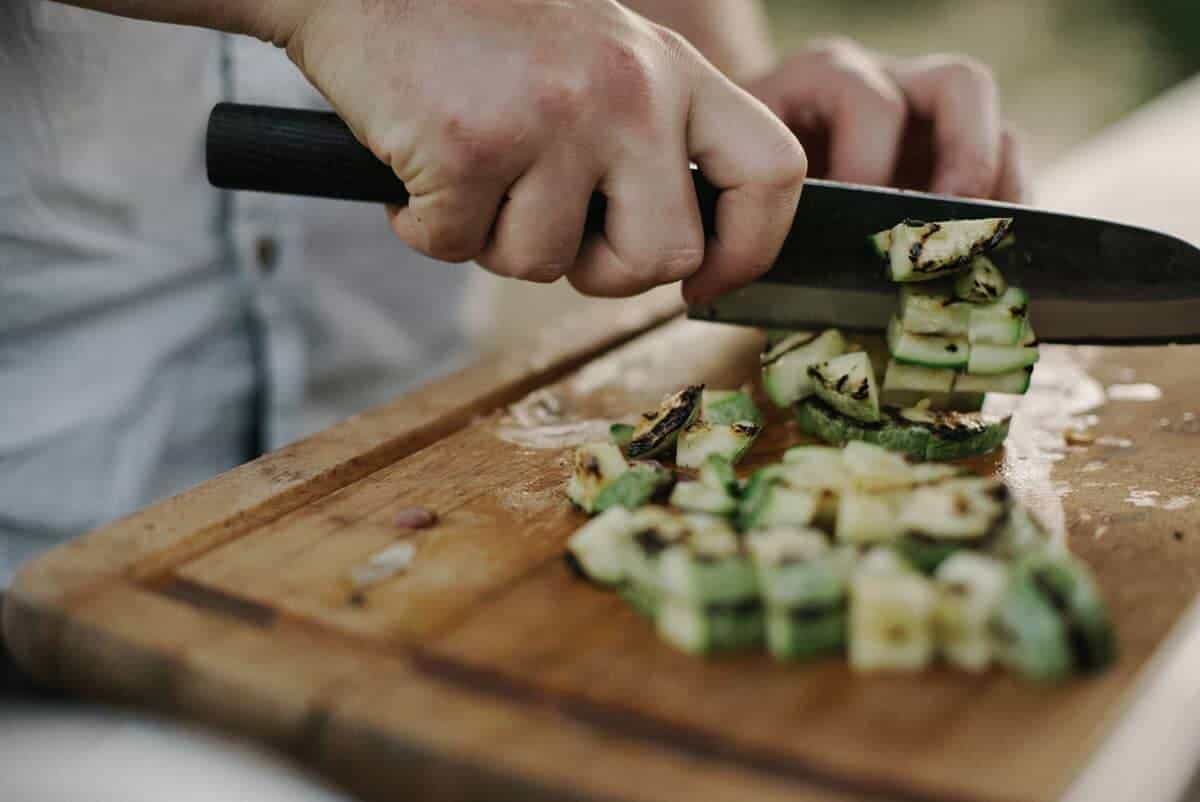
272 20
732 34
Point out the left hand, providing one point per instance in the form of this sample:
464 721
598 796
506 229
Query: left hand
931 123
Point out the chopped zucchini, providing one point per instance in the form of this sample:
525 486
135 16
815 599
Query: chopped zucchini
1028 337
891 621
802 633
620 434
1001 322
881 243
924 553
654 530
595 466
701 439
728 406
597 546
644 600
1028 635
969 587
702 497
981 283
927 350
1068 586
770 502
1020 534
954 435
923 251
992 360
875 469
797 567
921 434
925 382
634 488
865 518
657 431
847 384
785 364
1013 383
710 567
717 472
711 628
956 509
928 309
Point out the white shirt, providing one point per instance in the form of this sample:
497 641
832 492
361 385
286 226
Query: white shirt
154 331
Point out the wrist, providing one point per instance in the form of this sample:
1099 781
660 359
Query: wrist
275 21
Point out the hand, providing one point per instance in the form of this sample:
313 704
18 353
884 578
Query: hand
503 116
929 123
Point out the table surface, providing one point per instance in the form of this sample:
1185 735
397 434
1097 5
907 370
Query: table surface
1137 172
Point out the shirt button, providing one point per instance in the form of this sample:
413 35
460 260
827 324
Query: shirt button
266 251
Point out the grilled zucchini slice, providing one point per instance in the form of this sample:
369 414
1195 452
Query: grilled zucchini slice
700 496
785 364
926 309
645 601
1013 383
595 466
864 518
952 435
769 501
657 431
891 621
956 510
924 251
620 434
1029 637
729 406
927 350
969 588
1069 588
710 567
847 383
710 628
633 488
1001 322
653 531
596 547
981 283
702 439
993 360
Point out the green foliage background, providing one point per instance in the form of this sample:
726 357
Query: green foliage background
1067 67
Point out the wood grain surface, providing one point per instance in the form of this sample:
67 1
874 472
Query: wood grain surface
484 671
486 650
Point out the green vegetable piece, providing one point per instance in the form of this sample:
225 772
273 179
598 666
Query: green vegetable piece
634 488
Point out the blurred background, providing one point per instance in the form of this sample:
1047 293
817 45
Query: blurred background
1067 68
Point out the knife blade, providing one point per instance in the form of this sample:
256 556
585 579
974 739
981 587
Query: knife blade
1091 281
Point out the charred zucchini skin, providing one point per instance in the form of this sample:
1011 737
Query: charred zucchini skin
666 423
712 628
925 554
975 435
1069 588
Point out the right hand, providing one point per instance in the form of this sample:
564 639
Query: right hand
503 116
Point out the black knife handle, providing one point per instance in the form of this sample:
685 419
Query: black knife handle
313 153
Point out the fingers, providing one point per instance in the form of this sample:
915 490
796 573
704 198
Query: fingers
759 166
1013 184
653 234
852 98
451 224
961 98
539 231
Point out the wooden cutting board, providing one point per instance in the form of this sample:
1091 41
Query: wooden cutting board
486 671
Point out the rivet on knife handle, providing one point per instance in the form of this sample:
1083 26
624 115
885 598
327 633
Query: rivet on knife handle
313 153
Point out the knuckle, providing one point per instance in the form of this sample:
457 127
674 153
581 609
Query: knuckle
623 73
471 149
561 100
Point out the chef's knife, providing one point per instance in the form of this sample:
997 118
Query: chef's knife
1091 281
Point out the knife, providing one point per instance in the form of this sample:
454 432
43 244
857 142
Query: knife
1091 281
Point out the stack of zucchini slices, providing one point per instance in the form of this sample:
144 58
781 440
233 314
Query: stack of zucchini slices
960 332
853 550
